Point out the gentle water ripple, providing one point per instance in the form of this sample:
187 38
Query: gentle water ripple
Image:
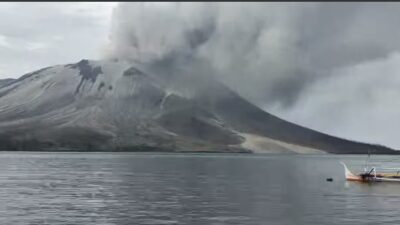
128 188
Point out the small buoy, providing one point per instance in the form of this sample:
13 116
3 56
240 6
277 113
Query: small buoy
329 179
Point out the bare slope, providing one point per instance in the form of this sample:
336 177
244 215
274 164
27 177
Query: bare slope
114 106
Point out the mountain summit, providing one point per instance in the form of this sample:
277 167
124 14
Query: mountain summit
114 106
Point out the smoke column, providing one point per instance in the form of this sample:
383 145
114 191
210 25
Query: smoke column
293 59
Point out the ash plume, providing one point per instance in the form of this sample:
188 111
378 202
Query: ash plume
269 52
273 54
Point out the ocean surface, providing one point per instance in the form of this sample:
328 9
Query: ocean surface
139 188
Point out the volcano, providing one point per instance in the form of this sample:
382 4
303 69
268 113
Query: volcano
117 106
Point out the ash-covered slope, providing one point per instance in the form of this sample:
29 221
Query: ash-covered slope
4 82
114 106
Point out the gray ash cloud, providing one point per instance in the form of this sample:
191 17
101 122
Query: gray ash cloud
274 54
269 52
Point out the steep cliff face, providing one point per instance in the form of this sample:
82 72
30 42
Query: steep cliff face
114 106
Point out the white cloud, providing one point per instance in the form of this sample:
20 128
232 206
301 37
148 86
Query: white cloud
43 34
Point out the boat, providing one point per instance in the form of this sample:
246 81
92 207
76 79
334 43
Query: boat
373 174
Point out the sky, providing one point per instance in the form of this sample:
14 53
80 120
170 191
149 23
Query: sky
333 67
36 34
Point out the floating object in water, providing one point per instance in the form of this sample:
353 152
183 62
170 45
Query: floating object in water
329 179
371 175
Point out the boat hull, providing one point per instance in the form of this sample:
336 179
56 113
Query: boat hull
368 177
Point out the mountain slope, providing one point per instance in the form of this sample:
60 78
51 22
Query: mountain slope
4 82
114 106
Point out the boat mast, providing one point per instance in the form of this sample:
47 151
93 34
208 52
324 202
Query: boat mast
366 168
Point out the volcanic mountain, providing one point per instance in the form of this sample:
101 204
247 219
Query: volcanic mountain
115 106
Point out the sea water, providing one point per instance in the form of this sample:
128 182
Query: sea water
140 188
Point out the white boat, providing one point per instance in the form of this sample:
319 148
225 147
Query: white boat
373 174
